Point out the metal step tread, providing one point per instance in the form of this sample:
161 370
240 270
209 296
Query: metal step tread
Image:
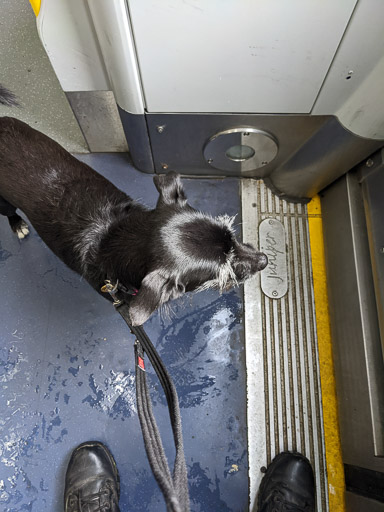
283 381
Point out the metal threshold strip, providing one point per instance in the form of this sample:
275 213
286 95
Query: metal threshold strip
284 396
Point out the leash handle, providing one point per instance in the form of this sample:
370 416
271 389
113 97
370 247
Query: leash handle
174 487
152 439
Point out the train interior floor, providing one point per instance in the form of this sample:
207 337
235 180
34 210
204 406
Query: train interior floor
245 364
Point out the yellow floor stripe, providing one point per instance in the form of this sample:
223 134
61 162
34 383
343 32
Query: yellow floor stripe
335 469
35 6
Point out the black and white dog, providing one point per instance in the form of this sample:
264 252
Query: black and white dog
101 233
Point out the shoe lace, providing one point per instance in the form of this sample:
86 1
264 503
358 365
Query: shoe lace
102 500
280 504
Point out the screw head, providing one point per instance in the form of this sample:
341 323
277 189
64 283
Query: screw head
210 160
369 162
164 166
160 128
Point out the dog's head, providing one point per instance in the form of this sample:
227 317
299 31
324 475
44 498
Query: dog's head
193 251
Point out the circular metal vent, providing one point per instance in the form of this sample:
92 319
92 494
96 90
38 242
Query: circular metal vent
240 149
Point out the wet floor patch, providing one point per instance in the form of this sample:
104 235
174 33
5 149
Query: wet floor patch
67 373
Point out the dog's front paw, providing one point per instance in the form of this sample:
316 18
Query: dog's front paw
21 229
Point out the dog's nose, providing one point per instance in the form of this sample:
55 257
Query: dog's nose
252 260
262 261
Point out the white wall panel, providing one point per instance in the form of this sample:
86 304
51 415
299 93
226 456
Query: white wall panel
66 31
256 56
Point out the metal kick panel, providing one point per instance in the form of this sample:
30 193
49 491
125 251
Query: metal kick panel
283 377
178 141
297 171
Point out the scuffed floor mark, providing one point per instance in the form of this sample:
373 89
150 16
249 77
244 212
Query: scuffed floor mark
43 486
53 379
19 450
115 394
51 431
4 255
11 360
204 490
202 338
74 371
17 493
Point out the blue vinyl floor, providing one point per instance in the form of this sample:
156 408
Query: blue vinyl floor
67 372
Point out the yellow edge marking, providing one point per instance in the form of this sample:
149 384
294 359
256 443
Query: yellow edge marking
335 469
35 6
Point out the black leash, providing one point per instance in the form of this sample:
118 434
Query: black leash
174 487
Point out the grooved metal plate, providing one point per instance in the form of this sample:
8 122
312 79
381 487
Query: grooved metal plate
283 381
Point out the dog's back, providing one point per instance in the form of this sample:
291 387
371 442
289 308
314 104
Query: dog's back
100 232
35 170
70 205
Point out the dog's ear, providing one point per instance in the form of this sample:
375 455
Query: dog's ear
170 189
155 289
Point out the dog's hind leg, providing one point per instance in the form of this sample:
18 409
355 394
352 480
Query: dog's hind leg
18 225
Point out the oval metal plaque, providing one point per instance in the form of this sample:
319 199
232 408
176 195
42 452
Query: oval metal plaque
274 278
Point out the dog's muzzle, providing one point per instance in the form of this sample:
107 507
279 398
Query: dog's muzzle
249 262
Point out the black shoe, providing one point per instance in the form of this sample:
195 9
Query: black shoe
92 480
288 485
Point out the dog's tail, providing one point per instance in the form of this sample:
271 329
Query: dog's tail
8 98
